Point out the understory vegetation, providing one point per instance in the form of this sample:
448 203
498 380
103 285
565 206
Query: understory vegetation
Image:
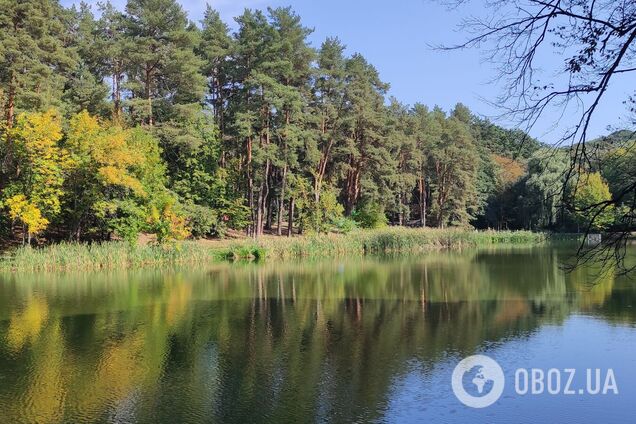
139 120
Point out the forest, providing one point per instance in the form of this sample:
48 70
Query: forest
121 122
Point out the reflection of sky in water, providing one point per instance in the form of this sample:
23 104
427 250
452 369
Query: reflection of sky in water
425 395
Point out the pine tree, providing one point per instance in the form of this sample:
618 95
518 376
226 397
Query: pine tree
454 165
85 88
401 139
34 60
216 47
291 68
328 107
163 69
252 111
110 54
367 161
428 132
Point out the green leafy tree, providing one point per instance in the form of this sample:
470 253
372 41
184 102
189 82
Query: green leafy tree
619 169
370 215
322 216
542 201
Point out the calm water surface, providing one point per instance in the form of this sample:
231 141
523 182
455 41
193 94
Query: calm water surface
343 340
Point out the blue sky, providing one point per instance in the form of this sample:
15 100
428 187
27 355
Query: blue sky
396 37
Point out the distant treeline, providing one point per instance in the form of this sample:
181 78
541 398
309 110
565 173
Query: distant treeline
122 122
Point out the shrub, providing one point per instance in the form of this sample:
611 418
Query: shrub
126 220
322 216
371 216
168 224
233 214
203 221
345 225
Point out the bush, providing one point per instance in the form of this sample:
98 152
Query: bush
370 216
168 224
125 219
203 221
322 216
233 214
345 225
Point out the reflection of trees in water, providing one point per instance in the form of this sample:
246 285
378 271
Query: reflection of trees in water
26 324
271 342
599 291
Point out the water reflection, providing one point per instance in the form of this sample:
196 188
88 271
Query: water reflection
306 342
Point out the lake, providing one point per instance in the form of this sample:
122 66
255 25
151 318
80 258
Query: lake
340 340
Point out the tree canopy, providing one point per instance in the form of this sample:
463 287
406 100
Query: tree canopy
140 120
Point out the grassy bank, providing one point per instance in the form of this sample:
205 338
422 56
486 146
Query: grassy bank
66 256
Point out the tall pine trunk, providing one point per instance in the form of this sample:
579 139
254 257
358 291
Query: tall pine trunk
10 106
117 109
422 201
250 187
147 83
290 222
270 212
352 188
263 193
281 201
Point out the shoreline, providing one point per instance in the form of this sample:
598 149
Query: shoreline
121 255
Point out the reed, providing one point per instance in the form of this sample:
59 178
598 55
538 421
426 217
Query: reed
396 239
109 255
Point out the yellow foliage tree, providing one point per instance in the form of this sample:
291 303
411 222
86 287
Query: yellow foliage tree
40 160
27 213
591 195
104 161
107 150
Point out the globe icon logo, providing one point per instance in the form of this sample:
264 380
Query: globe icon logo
478 381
